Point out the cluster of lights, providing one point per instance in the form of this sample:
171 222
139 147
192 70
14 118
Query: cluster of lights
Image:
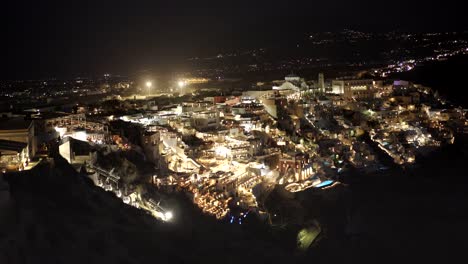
233 219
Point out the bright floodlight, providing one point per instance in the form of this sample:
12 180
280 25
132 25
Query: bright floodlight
181 84
167 216
148 84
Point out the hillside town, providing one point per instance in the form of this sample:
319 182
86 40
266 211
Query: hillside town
225 151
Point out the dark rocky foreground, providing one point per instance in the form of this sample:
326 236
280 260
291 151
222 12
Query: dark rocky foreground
420 214
57 216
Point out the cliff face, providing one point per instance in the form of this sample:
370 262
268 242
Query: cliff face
61 217
5 206
58 216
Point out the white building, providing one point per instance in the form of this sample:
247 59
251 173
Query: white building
292 78
321 82
354 89
205 120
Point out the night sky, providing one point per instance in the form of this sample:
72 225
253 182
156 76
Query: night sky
42 39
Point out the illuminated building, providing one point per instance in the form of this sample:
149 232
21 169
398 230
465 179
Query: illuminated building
292 78
205 120
195 80
75 151
295 166
194 107
288 85
5 204
354 89
76 126
321 82
219 99
19 130
13 155
273 103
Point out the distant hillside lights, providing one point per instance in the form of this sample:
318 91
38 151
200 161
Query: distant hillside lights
189 81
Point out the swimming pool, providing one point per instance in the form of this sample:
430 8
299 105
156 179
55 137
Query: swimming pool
324 184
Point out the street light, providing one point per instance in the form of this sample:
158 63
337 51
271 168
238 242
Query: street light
149 84
181 84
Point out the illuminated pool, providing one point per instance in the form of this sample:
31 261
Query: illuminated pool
324 184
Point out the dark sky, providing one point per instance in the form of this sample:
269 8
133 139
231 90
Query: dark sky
44 38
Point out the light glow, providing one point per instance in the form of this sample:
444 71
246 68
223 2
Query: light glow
181 84
168 216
